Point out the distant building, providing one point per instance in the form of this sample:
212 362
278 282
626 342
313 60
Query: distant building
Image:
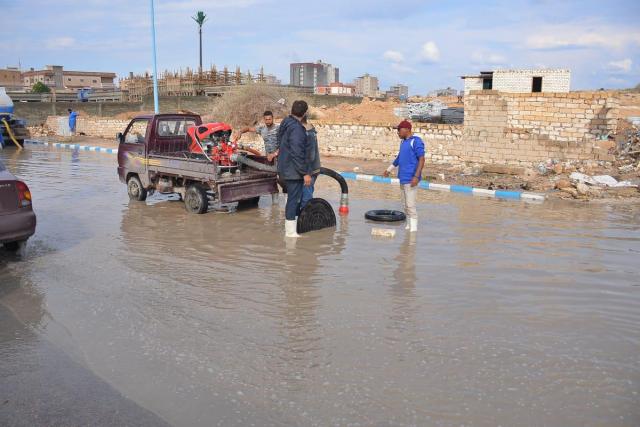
367 86
398 91
339 89
11 79
57 78
520 81
444 92
312 74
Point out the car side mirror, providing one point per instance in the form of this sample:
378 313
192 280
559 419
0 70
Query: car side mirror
120 137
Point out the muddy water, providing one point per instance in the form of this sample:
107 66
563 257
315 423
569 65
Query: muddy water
496 313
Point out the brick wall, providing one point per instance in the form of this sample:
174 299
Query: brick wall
499 128
529 128
520 81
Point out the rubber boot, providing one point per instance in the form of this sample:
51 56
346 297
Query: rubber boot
413 225
408 224
290 228
275 198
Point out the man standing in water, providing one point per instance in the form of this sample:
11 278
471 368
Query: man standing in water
293 163
313 157
409 161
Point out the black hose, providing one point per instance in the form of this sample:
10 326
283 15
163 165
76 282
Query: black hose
316 215
335 175
239 158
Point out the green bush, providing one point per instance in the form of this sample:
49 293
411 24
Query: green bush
40 87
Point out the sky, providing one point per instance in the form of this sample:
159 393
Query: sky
422 43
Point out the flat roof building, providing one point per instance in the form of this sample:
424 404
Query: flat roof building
520 81
312 74
11 78
57 78
367 85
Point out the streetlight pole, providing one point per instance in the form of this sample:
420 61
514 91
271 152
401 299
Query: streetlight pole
155 65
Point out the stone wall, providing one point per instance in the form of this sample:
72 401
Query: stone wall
512 128
500 128
521 81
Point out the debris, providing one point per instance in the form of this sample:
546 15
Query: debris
503 169
383 232
581 177
563 183
583 189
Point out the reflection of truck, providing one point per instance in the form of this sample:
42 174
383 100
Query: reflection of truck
154 155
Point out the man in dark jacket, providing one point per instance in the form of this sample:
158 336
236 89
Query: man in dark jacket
293 162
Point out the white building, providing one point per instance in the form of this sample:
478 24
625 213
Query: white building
520 81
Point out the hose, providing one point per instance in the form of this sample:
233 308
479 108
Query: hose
250 150
239 158
344 188
11 135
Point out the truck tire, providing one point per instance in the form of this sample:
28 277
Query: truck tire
196 200
135 189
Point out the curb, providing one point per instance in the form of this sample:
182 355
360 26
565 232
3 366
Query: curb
73 146
499 194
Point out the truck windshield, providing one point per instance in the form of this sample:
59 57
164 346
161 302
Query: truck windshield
136 132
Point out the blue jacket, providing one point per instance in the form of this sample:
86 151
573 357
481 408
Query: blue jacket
72 120
411 150
293 160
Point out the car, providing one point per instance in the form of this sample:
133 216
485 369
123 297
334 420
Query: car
17 218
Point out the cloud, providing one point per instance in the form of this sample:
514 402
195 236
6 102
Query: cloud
393 56
483 57
622 66
561 37
430 52
401 68
60 43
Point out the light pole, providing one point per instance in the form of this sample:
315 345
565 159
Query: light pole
155 65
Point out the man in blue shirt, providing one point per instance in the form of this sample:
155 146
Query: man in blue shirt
409 161
72 121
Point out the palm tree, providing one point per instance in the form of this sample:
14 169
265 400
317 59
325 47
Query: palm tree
200 19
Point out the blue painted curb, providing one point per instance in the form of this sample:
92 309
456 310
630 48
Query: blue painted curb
73 146
426 185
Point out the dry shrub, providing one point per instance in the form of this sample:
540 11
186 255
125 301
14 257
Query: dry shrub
245 105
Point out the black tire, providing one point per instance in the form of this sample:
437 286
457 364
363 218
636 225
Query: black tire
14 246
382 215
135 189
249 203
196 200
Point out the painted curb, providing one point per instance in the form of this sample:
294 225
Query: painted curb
499 194
73 146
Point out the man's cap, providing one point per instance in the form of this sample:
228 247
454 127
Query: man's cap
405 124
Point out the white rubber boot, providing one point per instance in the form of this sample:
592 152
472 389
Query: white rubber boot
413 222
408 224
290 228
275 198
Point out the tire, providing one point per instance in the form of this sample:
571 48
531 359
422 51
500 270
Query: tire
382 215
15 246
196 200
135 189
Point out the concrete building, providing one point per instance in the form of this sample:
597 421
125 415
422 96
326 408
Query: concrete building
11 79
339 89
367 85
57 78
398 91
520 81
312 74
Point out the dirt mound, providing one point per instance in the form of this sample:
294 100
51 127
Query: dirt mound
368 112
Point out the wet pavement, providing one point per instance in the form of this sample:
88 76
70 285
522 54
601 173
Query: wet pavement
496 313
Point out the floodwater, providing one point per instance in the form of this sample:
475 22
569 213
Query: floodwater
496 313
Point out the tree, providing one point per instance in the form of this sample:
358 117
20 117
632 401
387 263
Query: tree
40 87
200 19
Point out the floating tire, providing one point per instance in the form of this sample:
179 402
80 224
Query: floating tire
385 216
318 214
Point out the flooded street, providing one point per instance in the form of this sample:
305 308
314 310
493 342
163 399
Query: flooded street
496 313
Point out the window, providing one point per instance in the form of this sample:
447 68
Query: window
81 80
536 86
136 133
169 128
95 81
487 84
68 79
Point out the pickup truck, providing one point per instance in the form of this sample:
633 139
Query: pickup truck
154 155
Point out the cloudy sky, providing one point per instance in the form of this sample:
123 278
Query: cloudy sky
425 44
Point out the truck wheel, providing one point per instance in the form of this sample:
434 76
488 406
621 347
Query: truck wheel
195 200
15 246
135 189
